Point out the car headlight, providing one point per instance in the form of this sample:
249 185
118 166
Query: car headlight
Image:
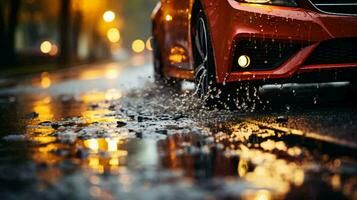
272 2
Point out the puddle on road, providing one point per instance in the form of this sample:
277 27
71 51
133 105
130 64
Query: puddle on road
145 145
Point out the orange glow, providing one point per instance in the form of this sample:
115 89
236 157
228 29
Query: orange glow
168 18
109 16
54 50
177 55
138 46
90 74
45 80
113 35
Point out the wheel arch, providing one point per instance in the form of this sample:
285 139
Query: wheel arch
197 5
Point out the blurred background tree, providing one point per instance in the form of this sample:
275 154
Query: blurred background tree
9 12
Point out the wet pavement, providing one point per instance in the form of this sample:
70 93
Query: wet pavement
106 131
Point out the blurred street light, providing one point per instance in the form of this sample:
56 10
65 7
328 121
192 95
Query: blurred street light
54 50
109 16
168 18
138 46
113 35
45 47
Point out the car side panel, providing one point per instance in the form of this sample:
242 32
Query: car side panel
172 30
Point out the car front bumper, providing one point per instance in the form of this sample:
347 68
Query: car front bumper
233 21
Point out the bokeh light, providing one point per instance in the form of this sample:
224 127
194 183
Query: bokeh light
54 50
45 80
148 44
45 47
109 16
138 46
113 35
168 18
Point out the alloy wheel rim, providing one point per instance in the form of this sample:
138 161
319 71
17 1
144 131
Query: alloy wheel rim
201 45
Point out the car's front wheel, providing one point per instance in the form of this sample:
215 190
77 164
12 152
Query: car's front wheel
213 94
208 90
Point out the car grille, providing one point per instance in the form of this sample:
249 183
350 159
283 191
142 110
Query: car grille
265 54
335 51
346 7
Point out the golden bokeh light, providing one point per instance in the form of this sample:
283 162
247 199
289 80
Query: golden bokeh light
112 144
113 35
44 109
168 18
92 144
148 44
46 47
138 46
263 195
45 80
109 16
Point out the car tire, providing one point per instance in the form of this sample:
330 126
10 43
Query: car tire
213 94
216 95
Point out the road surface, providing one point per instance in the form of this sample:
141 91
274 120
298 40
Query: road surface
106 131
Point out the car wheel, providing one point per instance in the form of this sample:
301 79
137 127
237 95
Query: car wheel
208 90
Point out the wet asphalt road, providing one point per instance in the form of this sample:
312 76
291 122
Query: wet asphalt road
106 131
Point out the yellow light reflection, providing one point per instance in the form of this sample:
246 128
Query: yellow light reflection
299 177
94 163
138 46
242 167
45 80
92 144
92 97
44 109
112 144
46 47
44 139
109 16
113 35
113 94
261 167
114 161
263 195
112 73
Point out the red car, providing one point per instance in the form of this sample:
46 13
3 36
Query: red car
221 44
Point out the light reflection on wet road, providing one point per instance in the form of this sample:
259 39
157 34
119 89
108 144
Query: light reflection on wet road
107 132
